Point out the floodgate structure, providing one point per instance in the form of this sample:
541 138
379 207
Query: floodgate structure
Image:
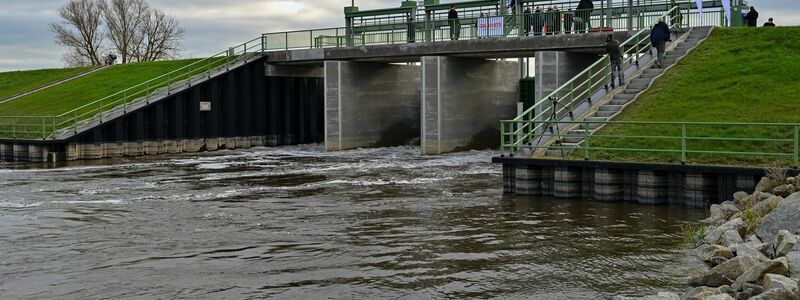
533 83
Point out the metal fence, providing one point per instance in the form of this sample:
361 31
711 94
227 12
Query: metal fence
684 142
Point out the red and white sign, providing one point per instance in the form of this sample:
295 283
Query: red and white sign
491 26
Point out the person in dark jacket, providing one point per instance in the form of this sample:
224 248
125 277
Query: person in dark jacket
538 21
527 21
769 23
584 12
555 21
455 25
659 36
615 56
752 17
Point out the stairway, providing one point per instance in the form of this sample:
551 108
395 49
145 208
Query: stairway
574 136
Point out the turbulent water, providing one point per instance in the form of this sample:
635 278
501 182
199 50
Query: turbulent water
296 222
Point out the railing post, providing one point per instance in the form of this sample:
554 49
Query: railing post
683 143
75 121
13 128
263 43
796 156
169 83
54 125
286 40
44 129
503 139
101 110
586 137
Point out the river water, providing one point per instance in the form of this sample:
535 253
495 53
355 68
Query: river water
296 222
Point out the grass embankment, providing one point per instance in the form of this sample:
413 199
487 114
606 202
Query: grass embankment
73 94
18 82
743 75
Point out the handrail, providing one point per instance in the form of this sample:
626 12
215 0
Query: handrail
528 131
777 140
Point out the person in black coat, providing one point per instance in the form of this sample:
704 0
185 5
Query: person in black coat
527 21
455 25
752 17
584 12
769 23
538 21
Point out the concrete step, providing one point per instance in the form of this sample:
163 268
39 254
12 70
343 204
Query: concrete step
562 150
668 62
653 71
641 81
632 91
639 86
619 101
607 107
606 113
649 76
593 126
624 96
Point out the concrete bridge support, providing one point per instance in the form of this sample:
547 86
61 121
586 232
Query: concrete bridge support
553 69
370 104
463 101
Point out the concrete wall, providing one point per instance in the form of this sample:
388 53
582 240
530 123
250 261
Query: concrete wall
463 101
555 68
370 105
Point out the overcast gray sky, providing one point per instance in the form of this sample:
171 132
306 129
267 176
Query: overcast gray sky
211 25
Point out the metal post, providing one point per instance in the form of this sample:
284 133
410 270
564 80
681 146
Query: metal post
796 156
14 128
54 125
44 129
75 121
585 140
683 143
263 43
286 37
503 139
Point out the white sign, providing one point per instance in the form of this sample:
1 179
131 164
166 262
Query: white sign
205 106
492 26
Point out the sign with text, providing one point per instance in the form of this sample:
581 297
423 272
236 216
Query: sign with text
491 26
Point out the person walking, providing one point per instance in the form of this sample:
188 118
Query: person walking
659 36
615 56
455 25
752 17
568 19
769 23
584 12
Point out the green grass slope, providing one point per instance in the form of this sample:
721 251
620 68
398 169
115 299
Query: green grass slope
747 75
73 94
18 82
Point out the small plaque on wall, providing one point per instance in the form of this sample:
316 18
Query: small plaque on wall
205 106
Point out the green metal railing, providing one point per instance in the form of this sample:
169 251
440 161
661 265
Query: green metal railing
47 127
684 142
527 128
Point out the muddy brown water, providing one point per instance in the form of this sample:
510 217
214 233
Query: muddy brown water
296 222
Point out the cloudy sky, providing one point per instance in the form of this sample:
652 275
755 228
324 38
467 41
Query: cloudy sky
211 25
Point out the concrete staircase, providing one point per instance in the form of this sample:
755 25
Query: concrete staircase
613 104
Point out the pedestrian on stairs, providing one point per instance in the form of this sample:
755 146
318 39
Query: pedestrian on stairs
659 37
615 56
455 25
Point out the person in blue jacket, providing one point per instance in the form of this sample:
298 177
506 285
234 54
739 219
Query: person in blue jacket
659 36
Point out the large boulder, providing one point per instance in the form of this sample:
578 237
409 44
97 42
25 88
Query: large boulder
765 206
710 278
735 267
772 281
750 250
720 213
775 294
715 236
785 216
707 252
739 196
720 297
765 185
700 293
731 237
755 274
784 243
784 190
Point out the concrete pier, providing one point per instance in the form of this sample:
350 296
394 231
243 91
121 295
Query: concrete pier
554 68
463 101
370 104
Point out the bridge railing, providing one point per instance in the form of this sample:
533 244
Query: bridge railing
527 129
677 142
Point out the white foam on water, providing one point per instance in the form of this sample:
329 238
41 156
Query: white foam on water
19 205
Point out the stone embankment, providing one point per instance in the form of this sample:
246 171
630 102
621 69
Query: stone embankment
748 247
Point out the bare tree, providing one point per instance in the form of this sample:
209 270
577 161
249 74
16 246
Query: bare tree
80 30
125 21
161 37
134 29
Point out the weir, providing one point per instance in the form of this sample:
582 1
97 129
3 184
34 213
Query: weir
390 77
